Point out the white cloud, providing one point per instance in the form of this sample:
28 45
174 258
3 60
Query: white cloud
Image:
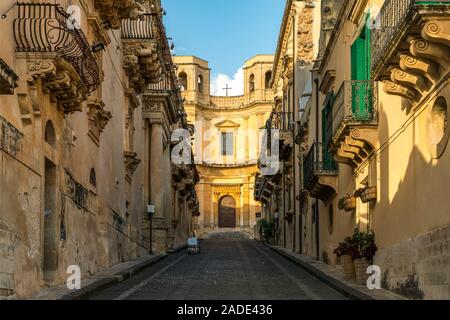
236 83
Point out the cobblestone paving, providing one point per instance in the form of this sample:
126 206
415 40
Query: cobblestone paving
226 269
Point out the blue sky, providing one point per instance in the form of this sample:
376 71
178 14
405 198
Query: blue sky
224 32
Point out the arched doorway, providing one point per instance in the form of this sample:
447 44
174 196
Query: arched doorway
227 212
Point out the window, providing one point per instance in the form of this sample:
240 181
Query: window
268 77
183 81
330 218
200 83
227 143
251 83
93 178
50 135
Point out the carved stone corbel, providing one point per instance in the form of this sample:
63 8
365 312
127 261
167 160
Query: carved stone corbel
143 64
131 163
61 81
399 90
113 11
98 119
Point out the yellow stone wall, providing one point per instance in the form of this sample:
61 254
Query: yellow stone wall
244 116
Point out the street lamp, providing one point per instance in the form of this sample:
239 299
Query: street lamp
150 212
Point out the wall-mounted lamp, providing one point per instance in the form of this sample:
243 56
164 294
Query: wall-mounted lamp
4 14
97 47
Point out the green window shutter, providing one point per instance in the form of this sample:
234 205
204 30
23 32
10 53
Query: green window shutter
360 64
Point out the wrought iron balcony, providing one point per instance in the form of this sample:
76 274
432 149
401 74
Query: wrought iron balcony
354 105
43 28
147 57
351 126
410 45
320 173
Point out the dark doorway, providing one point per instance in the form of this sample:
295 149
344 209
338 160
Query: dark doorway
50 222
227 212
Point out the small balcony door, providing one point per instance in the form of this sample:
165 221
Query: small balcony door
360 65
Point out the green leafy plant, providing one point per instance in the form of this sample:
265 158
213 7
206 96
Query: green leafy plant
341 203
266 226
365 242
347 247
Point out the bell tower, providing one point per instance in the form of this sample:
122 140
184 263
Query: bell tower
257 75
194 76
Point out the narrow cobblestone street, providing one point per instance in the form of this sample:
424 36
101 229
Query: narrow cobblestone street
229 269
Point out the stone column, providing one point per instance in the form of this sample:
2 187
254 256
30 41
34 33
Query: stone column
215 212
157 187
246 203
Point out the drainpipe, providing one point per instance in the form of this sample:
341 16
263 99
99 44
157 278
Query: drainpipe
316 82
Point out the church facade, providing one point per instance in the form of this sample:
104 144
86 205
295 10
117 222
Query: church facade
227 133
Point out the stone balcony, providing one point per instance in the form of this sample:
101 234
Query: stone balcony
59 55
410 47
143 52
320 174
352 124
284 122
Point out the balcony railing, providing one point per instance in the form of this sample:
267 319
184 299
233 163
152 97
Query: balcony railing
355 102
317 162
394 16
43 28
138 29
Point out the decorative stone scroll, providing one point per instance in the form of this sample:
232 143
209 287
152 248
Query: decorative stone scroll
98 119
142 63
60 81
113 11
131 163
414 72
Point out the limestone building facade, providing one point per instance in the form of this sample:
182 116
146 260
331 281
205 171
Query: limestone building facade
226 151
87 107
373 139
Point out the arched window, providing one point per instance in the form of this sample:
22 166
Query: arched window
268 78
183 81
93 178
251 83
50 135
200 83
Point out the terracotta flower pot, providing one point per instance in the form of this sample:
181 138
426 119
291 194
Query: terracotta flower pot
361 266
348 266
370 194
350 204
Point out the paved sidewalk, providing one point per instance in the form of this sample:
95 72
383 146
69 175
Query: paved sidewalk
334 278
101 280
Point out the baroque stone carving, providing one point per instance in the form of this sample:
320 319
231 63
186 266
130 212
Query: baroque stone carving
113 11
8 79
98 119
142 64
131 163
10 138
419 60
61 81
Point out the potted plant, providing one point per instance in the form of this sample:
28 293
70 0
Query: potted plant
266 229
370 194
367 194
346 251
348 203
366 249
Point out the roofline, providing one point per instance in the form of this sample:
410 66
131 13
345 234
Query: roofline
287 11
